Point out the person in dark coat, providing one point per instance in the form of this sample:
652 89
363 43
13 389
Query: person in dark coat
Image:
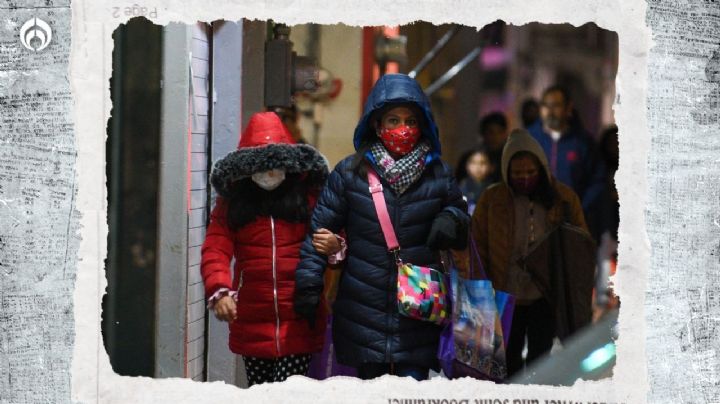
529 112
397 137
493 133
570 150
266 191
610 220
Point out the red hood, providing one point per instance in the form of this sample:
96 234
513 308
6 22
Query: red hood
267 145
263 129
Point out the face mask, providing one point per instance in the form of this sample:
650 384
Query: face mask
400 140
269 180
525 186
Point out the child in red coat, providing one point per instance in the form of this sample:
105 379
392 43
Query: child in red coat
267 189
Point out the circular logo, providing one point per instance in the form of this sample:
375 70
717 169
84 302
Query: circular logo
35 34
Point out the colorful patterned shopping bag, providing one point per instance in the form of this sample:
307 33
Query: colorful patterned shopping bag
474 342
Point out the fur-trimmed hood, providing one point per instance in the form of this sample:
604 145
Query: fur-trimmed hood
266 144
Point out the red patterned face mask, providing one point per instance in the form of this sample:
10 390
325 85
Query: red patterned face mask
400 140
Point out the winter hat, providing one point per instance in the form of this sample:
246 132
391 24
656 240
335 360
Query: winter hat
266 144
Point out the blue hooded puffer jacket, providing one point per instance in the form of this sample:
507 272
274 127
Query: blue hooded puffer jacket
367 327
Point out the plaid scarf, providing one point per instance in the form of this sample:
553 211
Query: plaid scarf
402 173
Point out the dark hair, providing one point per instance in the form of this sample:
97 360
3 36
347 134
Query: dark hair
560 89
376 115
544 193
527 106
358 166
494 118
529 103
460 170
289 201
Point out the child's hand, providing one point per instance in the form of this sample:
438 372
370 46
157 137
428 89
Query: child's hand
225 309
325 242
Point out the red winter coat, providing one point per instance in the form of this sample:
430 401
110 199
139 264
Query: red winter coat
266 252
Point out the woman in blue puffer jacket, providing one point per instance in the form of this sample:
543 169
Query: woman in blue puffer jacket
398 138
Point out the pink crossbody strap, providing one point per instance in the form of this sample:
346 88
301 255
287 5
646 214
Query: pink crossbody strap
376 190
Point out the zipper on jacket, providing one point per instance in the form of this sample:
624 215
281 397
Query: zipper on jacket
275 292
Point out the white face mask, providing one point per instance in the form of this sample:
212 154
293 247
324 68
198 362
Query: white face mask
269 180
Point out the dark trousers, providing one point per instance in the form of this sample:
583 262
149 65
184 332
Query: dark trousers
261 370
369 371
536 322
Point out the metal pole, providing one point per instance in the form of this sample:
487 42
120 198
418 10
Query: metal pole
434 51
313 51
452 72
228 77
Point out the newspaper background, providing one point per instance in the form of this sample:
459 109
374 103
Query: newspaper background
39 221
683 296
52 282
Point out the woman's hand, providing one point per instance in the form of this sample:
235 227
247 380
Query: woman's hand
225 309
325 242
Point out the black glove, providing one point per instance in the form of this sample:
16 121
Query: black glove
446 233
306 307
